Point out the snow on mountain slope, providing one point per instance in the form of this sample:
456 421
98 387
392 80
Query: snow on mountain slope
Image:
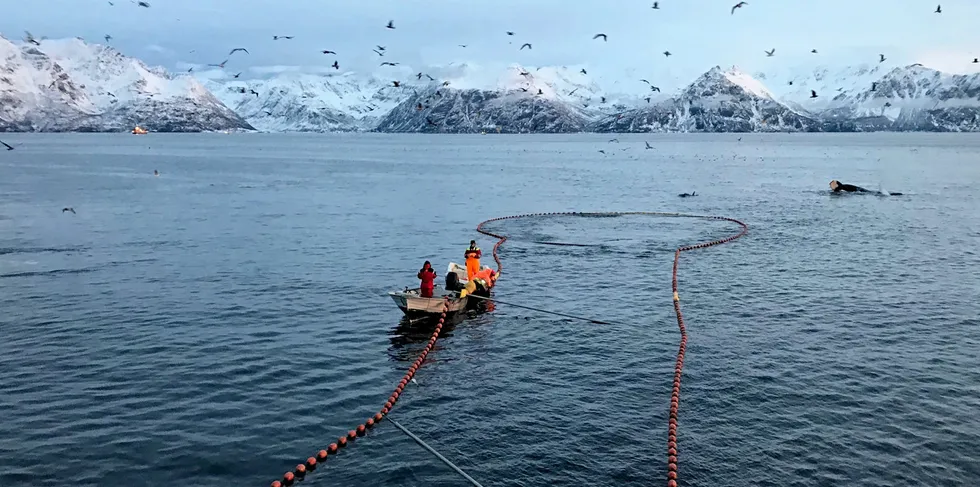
302 102
834 85
70 85
718 101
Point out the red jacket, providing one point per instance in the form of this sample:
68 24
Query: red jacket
428 277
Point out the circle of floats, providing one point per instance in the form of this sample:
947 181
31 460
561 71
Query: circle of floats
334 448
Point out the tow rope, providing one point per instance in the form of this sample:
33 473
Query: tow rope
675 395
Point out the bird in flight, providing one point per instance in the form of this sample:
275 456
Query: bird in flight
219 65
30 38
655 88
108 37
8 146
874 85
143 4
939 9
72 210
335 65
526 44
233 51
391 24
648 145
396 83
976 60
814 51
667 53
510 33
813 94
256 93
583 71
603 36
462 45
381 48
739 5
656 5
389 64
379 52
328 52
881 58
770 53
276 38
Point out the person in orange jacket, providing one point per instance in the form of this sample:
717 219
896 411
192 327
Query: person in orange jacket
472 254
428 277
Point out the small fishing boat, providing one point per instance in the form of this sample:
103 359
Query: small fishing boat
139 131
411 302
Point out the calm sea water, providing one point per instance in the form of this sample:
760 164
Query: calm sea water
217 324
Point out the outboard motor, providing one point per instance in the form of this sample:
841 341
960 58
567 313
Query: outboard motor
452 282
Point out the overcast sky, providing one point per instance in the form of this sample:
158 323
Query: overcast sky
700 33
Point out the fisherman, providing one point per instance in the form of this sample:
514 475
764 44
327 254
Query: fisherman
483 279
472 255
836 186
428 276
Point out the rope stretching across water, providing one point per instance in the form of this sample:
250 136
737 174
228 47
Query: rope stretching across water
679 367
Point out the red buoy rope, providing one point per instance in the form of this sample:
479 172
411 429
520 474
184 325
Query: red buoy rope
675 395
301 470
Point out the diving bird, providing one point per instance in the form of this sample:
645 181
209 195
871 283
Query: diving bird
233 51
656 6
389 64
813 94
603 36
667 53
276 38
391 24
881 58
526 44
328 52
648 145
770 53
739 5
939 9
8 146
72 210
335 65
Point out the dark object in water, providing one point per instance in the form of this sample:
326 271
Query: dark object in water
685 195
836 186
452 282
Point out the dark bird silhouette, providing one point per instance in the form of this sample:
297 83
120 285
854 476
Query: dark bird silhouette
770 53
656 6
335 65
602 99
813 51
8 146
233 51
462 45
143 4
583 71
613 140
939 9
219 65
30 38
418 107
241 90
391 24
645 81
813 94
328 52
430 78
667 53
881 58
191 69
647 99
603 36
389 64
791 82
739 5
418 76
524 89
976 60
655 88
108 37
526 44
396 83
378 52
381 48
648 145
72 210
276 38
256 93
874 85
444 83
540 92
429 121
510 33
602 151
888 104
111 4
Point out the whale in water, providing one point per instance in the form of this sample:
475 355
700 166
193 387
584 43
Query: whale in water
839 187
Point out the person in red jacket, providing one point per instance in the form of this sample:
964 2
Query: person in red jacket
428 277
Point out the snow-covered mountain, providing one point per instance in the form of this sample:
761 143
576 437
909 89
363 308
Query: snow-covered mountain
303 102
71 85
718 101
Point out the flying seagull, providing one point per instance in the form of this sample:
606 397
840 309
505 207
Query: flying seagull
603 36
583 71
108 37
648 145
526 44
335 65
667 53
381 48
30 38
939 9
391 24
72 210
276 38
976 60
328 52
378 52
233 51
8 146
882 58
814 51
770 53
656 5
874 86
510 33
143 4
389 64
396 83
739 5
654 88
813 94
219 65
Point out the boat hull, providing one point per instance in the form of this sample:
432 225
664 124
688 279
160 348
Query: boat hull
412 303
